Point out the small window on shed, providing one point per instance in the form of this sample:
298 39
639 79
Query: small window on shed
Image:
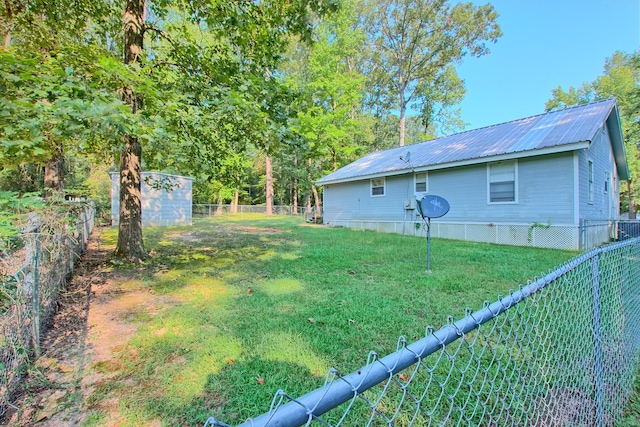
421 182
502 182
377 187
606 182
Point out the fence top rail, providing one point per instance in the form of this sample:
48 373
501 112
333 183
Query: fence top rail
339 389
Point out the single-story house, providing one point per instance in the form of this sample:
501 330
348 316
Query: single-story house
166 199
550 180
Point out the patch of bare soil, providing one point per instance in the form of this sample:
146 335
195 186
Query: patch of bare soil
255 230
93 321
565 406
197 237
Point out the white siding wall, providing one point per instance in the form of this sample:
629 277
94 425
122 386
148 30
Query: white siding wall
159 206
605 206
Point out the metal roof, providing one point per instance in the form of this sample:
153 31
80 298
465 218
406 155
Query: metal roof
557 131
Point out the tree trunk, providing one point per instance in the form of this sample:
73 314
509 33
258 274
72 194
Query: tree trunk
9 17
219 210
53 175
317 216
269 184
294 196
307 203
234 204
403 120
295 187
130 244
632 205
308 196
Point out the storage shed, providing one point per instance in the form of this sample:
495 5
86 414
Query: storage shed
166 199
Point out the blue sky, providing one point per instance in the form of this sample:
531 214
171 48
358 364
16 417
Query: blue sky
545 44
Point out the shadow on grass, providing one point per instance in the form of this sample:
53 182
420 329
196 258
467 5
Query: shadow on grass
271 303
261 379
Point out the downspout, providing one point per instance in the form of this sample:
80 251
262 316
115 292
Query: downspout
576 199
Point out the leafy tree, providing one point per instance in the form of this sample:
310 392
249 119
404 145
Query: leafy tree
252 33
13 208
413 45
45 24
58 49
50 107
193 83
331 88
621 79
49 101
437 101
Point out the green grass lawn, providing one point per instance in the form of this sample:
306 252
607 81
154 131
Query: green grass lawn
258 304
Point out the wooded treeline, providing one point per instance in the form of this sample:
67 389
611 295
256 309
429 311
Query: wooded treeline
253 99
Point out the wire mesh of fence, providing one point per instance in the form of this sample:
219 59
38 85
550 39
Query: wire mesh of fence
560 351
207 210
583 236
628 229
33 273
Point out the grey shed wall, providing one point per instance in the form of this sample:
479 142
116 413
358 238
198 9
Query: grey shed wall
160 206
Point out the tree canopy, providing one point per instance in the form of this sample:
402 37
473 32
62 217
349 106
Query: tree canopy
414 45
254 99
620 79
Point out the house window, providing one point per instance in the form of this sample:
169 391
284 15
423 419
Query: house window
606 182
590 187
421 182
377 187
503 183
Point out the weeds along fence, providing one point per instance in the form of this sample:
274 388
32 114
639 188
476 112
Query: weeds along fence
33 273
560 351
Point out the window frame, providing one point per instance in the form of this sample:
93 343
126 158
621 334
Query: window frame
515 183
590 173
426 182
383 186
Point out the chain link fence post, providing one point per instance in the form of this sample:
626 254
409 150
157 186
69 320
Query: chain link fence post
597 342
36 295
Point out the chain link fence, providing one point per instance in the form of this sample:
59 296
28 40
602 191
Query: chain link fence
560 351
628 228
33 272
207 210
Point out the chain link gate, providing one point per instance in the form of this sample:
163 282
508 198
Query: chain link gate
562 350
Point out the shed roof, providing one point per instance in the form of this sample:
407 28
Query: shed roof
558 131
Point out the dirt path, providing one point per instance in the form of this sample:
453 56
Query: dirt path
78 348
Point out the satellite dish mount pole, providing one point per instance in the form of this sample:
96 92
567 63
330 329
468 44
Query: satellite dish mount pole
428 244
431 206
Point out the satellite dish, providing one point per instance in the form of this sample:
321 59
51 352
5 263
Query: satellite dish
407 157
432 206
